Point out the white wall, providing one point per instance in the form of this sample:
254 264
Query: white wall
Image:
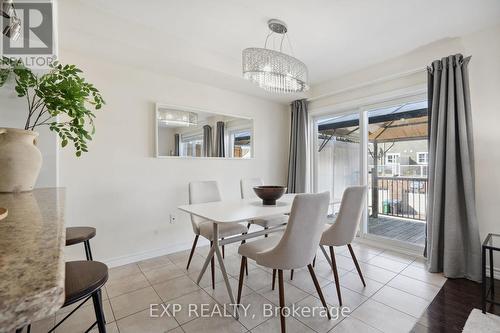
485 89
126 193
403 72
484 47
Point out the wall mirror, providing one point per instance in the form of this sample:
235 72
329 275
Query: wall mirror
188 132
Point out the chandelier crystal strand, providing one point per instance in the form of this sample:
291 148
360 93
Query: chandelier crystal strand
273 70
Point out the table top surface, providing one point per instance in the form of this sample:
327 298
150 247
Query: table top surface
32 239
241 210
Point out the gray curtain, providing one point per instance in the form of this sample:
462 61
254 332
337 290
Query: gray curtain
219 140
177 139
207 141
453 245
297 162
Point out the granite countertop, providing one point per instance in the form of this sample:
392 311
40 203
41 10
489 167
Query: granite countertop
32 240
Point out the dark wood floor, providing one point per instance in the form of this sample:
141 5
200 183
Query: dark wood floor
450 309
400 229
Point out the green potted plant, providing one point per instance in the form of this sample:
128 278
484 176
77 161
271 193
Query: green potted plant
60 99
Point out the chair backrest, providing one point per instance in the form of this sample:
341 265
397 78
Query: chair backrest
343 231
201 192
300 241
247 185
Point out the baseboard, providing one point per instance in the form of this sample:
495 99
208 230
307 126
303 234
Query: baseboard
386 246
128 259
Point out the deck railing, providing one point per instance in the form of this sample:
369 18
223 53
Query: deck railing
401 170
404 197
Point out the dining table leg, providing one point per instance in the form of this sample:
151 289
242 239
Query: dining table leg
215 250
223 269
210 255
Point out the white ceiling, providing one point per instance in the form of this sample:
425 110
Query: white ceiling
202 40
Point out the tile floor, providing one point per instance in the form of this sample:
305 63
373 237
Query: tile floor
398 291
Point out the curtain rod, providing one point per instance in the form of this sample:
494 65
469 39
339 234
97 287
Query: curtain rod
362 85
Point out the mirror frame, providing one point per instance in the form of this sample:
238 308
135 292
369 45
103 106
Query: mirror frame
193 109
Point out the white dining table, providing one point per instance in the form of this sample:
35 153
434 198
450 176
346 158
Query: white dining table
242 210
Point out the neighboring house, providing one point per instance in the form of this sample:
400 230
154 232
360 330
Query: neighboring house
403 158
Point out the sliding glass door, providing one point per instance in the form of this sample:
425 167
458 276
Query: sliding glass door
337 154
397 172
386 151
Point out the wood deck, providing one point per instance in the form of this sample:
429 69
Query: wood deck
398 229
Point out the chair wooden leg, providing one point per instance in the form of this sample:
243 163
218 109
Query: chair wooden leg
265 228
99 313
192 251
246 261
291 274
248 225
314 261
356 263
281 288
318 289
240 282
212 268
335 274
274 279
223 251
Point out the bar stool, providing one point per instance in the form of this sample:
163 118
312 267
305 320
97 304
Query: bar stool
76 235
84 280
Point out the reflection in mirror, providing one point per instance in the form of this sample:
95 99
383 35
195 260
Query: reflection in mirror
185 132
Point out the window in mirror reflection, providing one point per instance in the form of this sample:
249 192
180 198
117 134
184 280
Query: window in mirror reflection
191 145
241 143
183 132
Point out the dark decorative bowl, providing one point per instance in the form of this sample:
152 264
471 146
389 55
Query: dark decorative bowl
269 194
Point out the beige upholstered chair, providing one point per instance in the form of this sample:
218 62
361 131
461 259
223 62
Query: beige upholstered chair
247 192
208 191
343 231
296 248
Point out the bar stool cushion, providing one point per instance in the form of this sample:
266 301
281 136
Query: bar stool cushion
82 279
225 230
75 235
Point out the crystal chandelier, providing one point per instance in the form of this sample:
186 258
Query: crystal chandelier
274 70
174 118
